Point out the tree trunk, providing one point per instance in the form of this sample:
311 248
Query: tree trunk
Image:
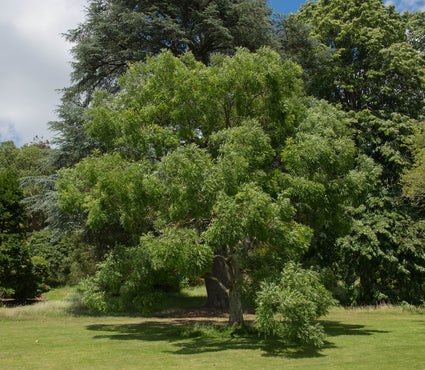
224 293
217 296
235 308
235 304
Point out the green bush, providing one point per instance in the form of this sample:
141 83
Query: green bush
70 259
125 281
290 307
55 252
21 276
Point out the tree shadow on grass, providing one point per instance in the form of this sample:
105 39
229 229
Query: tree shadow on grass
336 328
189 340
191 337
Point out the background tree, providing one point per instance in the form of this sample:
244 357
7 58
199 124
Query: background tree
13 215
415 29
413 179
21 276
295 41
376 71
117 33
372 65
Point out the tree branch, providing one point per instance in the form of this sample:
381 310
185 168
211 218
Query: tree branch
222 286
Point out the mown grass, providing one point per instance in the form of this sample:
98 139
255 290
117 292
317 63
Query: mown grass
60 335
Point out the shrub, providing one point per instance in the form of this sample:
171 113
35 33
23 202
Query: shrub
21 276
290 307
55 252
125 281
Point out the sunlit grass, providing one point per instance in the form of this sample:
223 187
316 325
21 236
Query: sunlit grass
59 293
61 335
69 305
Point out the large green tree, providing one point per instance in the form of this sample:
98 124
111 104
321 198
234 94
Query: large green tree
221 151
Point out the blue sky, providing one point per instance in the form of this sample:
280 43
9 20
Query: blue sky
288 6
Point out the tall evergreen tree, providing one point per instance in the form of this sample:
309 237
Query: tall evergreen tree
118 32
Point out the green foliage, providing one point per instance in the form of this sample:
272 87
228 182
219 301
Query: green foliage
134 278
383 252
324 176
8 154
12 212
386 139
253 214
174 100
110 190
373 66
290 307
116 33
295 41
56 253
321 163
21 276
71 141
217 160
376 71
125 281
384 256
178 250
413 179
187 188
28 163
415 29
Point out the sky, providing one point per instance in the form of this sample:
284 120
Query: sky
35 60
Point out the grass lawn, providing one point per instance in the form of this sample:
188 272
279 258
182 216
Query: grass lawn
53 335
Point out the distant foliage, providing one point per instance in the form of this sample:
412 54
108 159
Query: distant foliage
413 179
290 307
57 254
21 276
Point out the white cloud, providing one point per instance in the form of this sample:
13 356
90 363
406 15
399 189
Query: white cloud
34 62
409 5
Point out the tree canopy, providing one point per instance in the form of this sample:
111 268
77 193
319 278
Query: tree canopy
143 28
373 66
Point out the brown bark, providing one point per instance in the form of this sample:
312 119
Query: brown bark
217 296
223 288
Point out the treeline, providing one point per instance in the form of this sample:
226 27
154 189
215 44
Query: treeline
220 141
